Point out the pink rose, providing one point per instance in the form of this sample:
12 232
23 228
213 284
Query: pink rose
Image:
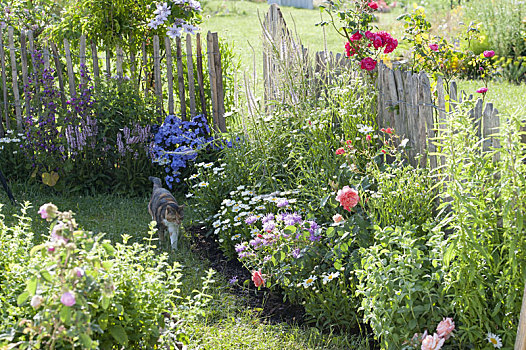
445 327
368 63
489 54
258 278
68 299
48 211
348 197
356 36
368 137
373 5
337 218
432 342
482 90
389 130
340 151
433 47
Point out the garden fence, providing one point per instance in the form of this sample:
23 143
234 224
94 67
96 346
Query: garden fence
153 73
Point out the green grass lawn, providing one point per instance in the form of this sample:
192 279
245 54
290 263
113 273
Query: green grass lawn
228 322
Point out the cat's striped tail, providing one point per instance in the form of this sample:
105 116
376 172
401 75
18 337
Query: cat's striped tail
156 181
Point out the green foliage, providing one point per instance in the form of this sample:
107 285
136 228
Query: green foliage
400 284
485 253
79 290
33 15
503 24
112 23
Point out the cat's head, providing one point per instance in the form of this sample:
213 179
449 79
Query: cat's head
174 214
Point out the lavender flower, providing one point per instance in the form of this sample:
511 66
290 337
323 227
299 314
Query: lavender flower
233 280
282 203
296 253
269 226
240 247
251 219
267 218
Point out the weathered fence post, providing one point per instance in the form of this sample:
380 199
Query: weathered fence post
14 75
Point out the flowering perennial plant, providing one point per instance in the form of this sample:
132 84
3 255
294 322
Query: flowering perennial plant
177 142
174 12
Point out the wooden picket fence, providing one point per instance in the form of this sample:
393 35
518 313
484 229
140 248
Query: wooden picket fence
154 73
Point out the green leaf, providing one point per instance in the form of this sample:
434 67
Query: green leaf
105 302
108 248
46 276
107 265
103 321
31 286
85 340
324 201
337 264
65 314
290 230
330 232
36 249
22 298
119 334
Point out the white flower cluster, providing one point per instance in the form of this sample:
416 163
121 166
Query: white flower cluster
179 26
8 139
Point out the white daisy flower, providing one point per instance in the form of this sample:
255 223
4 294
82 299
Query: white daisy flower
203 184
330 277
235 237
208 165
235 209
216 223
238 223
239 188
217 230
188 195
193 176
226 221
494 340
309 281
260 207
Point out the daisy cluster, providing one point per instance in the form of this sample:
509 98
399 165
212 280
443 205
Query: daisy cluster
9 138
165 11
242 215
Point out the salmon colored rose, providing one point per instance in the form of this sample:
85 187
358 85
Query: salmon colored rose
348 197
258 279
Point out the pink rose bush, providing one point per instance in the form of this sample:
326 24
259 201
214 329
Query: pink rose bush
432 342
348 197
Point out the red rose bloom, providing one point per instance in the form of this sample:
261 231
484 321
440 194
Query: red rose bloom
373 5
368 64
482 90
489 54
356 36
391 45
340 151
369 35
433 47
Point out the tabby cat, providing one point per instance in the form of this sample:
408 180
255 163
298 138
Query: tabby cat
164 210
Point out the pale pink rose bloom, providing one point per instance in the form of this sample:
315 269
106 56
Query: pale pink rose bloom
432 342
36 301
68 299
445 328
258 279
348 197
48 211
337 218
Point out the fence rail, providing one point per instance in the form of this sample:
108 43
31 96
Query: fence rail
154 72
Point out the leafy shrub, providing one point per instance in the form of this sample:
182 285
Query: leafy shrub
400 284
485 254
78 290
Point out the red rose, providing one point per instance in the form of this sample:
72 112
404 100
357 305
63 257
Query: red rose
356 36
368 137
377 41
349 50
368 63
391 45
389 130
482 90
369 35
340 151
258 278
373 5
